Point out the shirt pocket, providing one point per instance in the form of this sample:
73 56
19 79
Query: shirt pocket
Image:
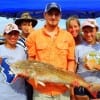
62 47
41 47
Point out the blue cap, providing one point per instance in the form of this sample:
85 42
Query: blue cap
52 5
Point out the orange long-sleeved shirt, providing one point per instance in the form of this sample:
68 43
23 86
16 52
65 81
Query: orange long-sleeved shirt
57 51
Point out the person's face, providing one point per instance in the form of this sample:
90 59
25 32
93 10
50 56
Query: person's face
74 28
12 37
25 27
52 17
89 34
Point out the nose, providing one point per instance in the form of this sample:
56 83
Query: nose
53 15
88 33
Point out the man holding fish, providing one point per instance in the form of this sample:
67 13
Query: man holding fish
52 45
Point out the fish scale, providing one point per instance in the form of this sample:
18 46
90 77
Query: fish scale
43 72
46 71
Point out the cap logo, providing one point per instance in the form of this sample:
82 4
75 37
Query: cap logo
10 27
92 22
26 16
54 5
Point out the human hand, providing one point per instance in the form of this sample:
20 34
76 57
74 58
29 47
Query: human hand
97 67
75 83
0 60
20 75
95 87
23 75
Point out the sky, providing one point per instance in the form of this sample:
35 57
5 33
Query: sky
4 21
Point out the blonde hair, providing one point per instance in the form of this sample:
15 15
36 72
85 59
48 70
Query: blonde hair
77 39
70 19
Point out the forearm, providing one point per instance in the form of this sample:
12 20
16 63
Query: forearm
71 66
97 67
0 60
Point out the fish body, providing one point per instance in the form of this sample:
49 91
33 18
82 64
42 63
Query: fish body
44 72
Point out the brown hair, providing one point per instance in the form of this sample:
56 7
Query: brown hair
77 39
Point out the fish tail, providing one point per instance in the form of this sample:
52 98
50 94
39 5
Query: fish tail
90 93
84 91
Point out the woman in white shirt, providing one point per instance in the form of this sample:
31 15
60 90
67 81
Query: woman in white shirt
13 53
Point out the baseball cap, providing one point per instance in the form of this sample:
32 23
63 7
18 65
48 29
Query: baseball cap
11 27
90 22
52 5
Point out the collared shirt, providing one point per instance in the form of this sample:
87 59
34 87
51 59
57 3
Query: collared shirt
56 51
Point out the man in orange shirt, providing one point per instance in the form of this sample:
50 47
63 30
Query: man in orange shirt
52 45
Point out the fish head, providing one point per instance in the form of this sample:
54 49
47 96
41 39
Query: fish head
18 67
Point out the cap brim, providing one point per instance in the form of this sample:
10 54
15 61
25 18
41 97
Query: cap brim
88 25
12 31
53 8
19 21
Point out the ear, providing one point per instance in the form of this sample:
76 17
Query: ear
4 34
44 14
19 26
60 15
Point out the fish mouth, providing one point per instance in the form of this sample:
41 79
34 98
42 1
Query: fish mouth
13 69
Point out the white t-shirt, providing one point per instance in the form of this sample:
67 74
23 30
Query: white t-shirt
82 51
16 90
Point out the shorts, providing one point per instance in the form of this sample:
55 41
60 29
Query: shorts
39 96
83 91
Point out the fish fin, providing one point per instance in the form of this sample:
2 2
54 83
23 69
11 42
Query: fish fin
92 93
38 82
35 82
68 86
41 83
